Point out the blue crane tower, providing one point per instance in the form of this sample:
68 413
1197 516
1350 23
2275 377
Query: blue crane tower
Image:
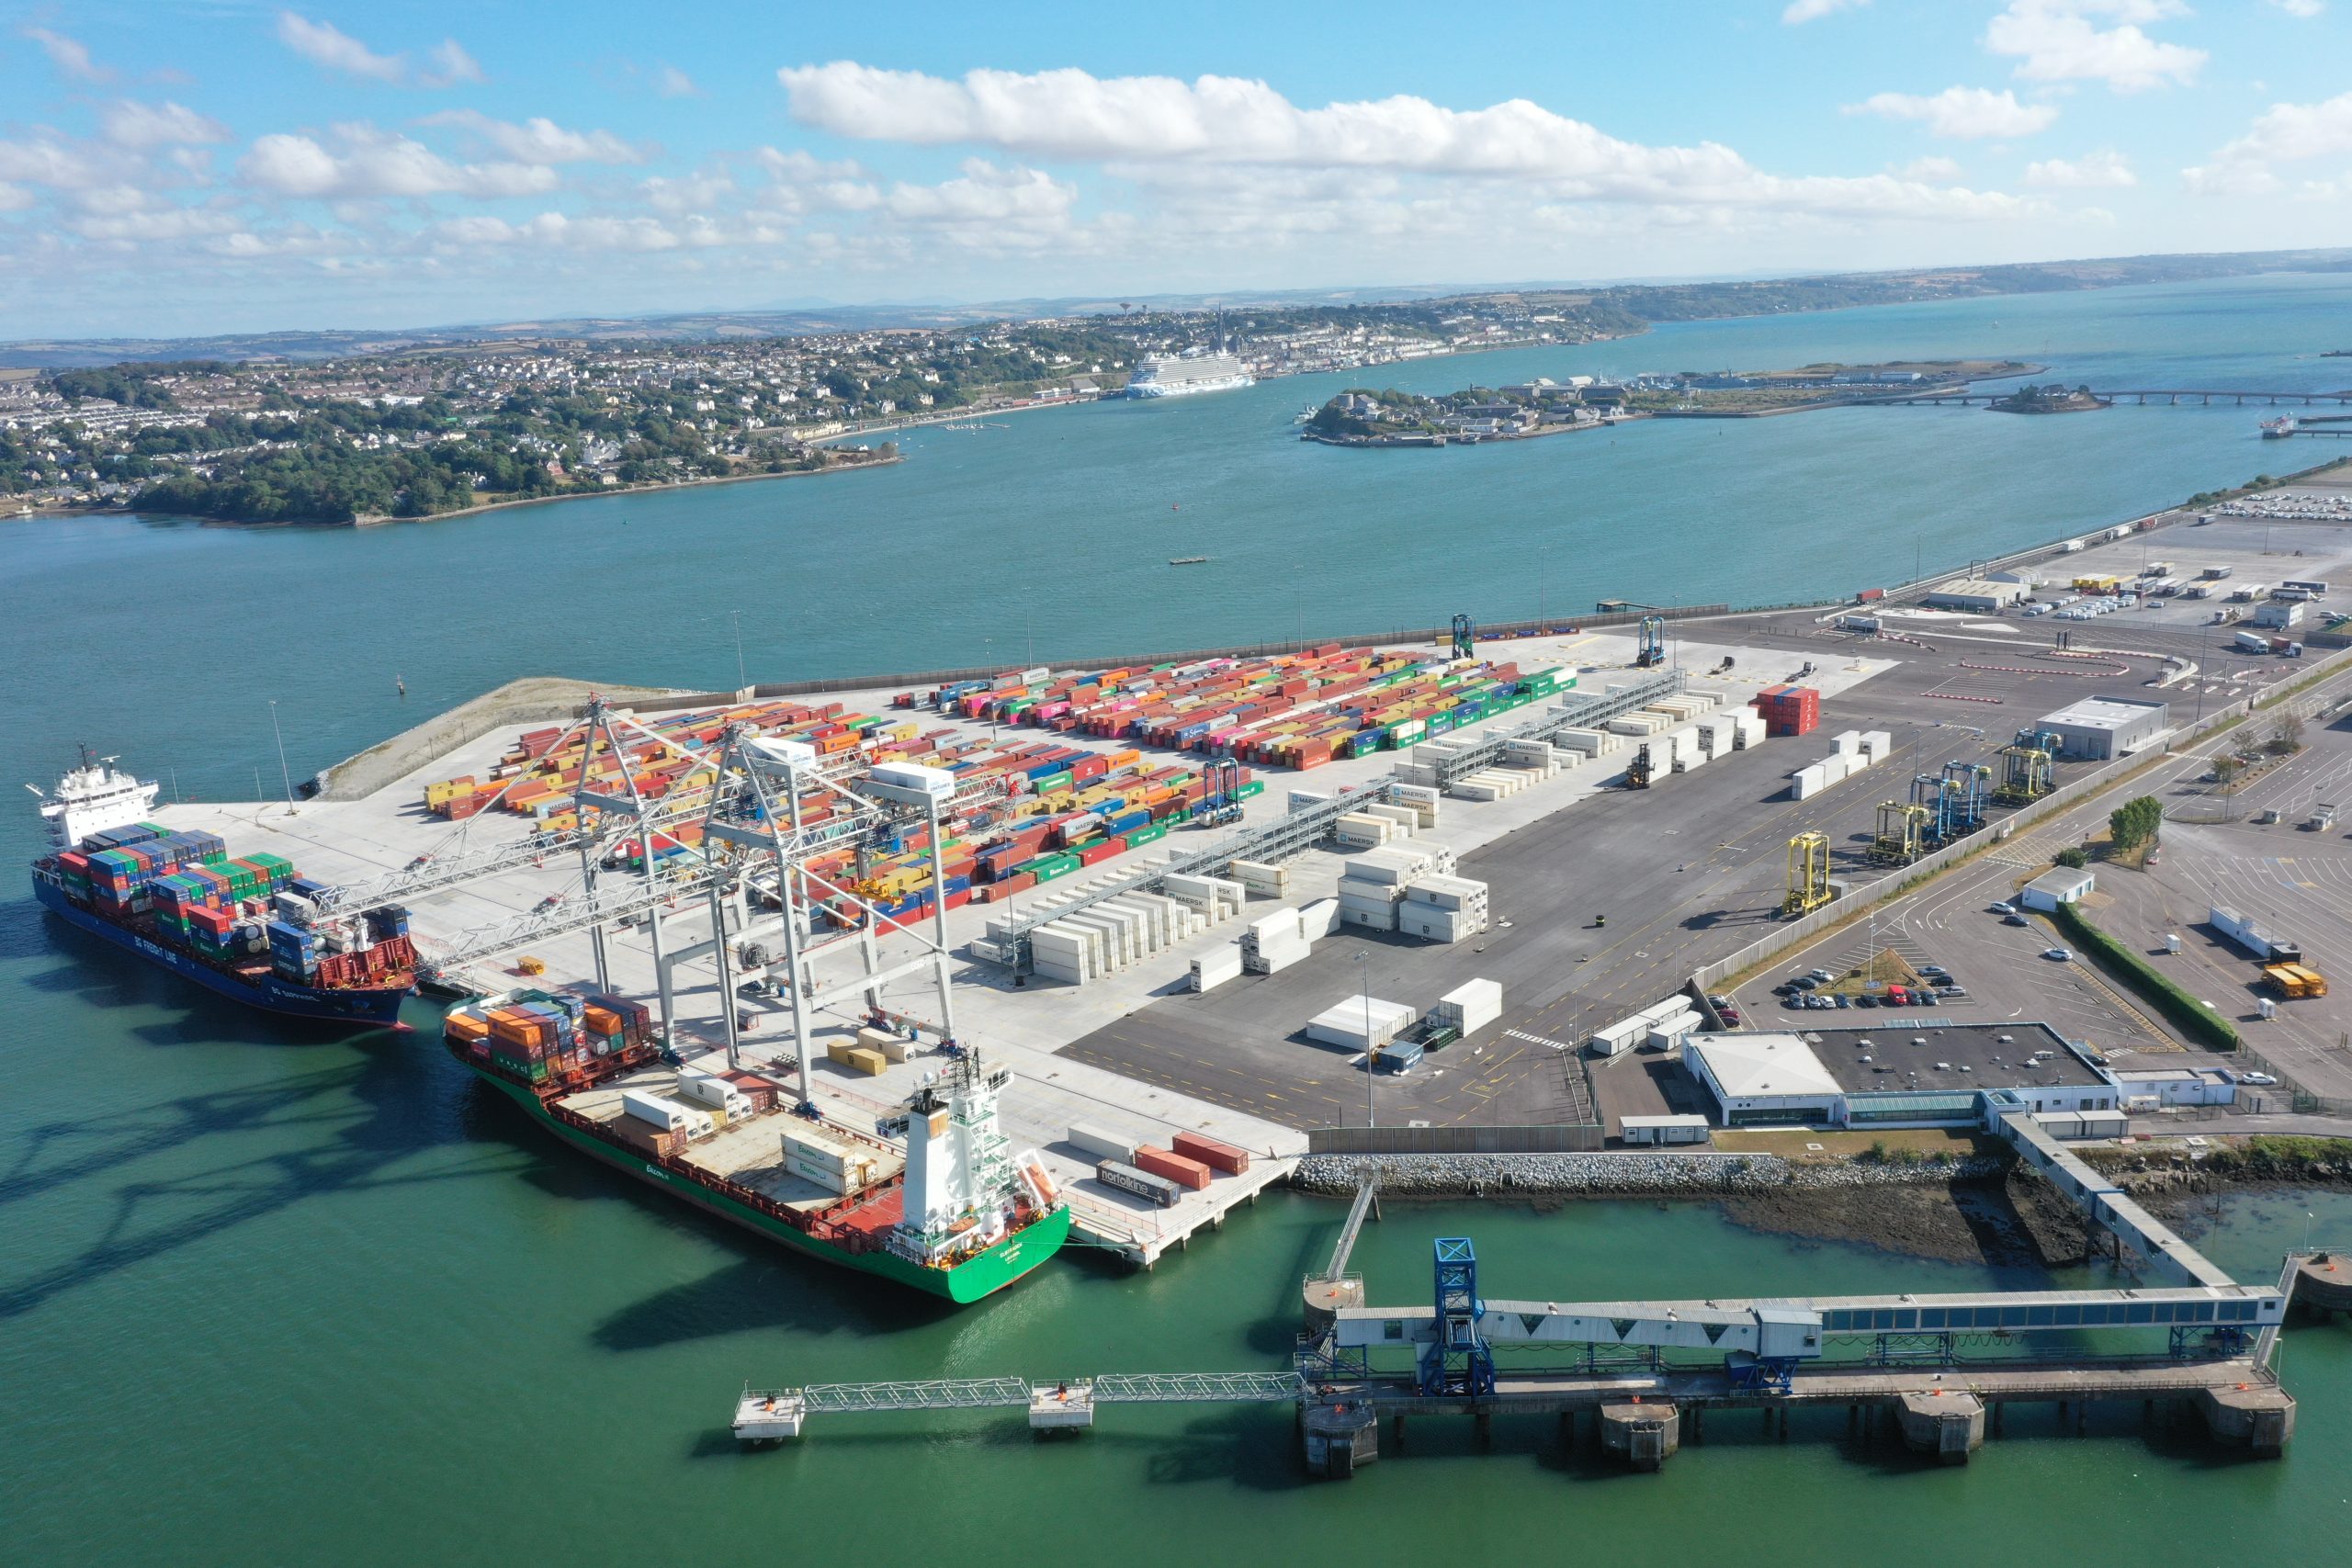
1456 1360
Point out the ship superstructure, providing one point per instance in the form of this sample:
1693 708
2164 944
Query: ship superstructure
1183 374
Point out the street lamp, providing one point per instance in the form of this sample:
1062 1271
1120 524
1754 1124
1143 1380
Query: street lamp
283 772
1371 1052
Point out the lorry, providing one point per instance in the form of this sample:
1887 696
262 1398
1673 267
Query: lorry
2246 642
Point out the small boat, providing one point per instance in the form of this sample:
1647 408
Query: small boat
1186 560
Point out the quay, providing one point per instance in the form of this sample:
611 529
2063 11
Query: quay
1938 1369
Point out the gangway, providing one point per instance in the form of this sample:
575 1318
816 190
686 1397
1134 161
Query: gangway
768 1414
1367 1203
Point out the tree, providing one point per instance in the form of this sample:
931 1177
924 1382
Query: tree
2072 857
2225 769
2136 821
2289 734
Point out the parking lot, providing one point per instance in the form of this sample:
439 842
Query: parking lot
2294 880
1694 868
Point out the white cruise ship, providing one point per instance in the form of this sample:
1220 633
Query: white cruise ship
1181 375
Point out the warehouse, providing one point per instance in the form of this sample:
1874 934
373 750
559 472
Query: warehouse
1976 594
2099 729
1901 1073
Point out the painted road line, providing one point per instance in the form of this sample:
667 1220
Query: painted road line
1535 1040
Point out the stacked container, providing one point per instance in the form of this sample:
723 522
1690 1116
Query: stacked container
1790 710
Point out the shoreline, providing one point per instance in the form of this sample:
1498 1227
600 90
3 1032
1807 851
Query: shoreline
386 520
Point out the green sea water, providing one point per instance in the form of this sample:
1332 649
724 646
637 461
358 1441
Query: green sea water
266 1298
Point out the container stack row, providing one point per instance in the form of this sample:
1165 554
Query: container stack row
1295 711
534 1036
1852 752
1374 883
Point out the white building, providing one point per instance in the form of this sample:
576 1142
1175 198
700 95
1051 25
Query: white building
2100 729
2052 888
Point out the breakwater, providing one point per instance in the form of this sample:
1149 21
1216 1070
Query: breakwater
1622 1175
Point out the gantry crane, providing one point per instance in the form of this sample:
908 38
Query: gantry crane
1808 875
1902 836
2029 767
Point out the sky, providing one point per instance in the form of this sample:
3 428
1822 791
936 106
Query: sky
183 167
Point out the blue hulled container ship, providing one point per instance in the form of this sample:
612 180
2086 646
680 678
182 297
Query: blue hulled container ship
246 928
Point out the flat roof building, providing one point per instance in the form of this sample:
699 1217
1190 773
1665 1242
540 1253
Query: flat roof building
2052 888
1980 595
1900 1072
2099 729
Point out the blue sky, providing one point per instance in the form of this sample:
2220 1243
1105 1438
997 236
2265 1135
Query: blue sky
208 165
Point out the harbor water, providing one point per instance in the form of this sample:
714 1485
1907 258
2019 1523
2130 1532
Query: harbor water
267 1297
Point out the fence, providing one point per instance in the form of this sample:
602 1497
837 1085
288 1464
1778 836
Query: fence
1575 1138
1785 937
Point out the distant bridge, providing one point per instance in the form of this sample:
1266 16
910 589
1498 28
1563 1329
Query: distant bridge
2169 395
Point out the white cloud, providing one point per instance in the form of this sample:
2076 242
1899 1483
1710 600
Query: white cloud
1802 11
685 193
1225 120
2283 133
673 82
2102 170
2058 40
801 165
328 46
1961 113
1942 171
559 230
47 160
370 163
451 65
71 56
2303 8
14 198
143 125
540 140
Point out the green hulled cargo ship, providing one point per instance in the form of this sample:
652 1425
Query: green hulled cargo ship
954 1213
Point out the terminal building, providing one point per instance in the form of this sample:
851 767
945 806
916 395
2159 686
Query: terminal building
2099 729
1925 1073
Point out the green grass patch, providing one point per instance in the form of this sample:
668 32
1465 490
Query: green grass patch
2198 1020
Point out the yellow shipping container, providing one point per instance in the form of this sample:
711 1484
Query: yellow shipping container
858 1059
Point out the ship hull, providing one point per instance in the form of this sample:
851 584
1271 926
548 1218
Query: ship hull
363 1007
1192 390
969 1281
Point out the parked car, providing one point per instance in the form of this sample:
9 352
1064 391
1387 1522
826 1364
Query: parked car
2005 907
1843 1001
2259 1080
1822 976
1729 1015
1866 1000
2015 920
1719 1003
2058 954
1925 999
1933 969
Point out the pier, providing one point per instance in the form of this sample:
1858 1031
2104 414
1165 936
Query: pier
1938 1372
2169 395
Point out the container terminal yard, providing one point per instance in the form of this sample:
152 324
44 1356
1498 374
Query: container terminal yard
1155 961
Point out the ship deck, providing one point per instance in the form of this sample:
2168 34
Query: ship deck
749 1152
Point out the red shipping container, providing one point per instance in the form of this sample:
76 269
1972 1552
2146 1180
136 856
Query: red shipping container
1095 853
1211 1152
1184 1172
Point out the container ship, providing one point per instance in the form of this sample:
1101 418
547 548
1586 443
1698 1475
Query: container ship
245 928
1182 375
953 1212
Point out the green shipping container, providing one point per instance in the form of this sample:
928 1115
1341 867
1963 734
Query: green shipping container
1052 866
1251 790
1146 835
1053 782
